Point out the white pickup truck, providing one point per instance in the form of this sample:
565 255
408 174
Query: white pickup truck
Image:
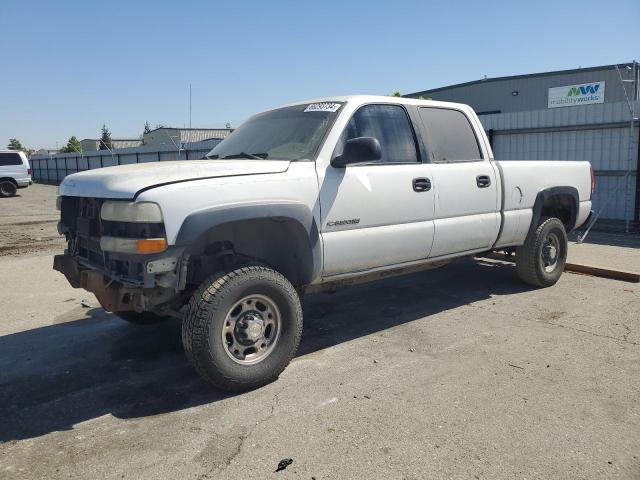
304 198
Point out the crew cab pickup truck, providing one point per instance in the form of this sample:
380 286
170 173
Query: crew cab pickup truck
304 198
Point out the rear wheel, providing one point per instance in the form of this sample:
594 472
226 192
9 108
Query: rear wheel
7 188
541 260
144 318
242 328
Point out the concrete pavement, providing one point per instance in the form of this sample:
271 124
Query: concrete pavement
461 372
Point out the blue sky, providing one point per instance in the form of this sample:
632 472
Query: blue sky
75 65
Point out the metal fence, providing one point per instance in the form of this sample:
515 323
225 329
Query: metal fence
53 168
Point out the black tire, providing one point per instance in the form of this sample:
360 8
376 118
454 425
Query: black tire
7 189
210 316
144 318
536 263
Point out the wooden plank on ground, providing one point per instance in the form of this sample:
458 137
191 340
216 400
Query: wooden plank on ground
604 272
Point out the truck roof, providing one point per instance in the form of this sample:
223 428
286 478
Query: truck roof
380 99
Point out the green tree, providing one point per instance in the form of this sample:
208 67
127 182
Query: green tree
147 127
72 146
14 144
396 94
105 139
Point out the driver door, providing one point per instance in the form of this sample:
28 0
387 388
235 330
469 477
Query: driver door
380 213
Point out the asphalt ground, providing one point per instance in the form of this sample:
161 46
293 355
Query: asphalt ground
460 372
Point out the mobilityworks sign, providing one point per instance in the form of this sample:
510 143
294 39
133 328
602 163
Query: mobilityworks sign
572 95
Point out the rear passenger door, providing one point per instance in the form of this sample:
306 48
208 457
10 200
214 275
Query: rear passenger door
465 182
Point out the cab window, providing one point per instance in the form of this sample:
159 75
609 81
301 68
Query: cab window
450 135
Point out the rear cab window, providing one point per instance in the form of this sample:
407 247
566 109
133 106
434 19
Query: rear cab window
450 135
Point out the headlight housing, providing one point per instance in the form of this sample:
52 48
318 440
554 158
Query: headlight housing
129 232
134 212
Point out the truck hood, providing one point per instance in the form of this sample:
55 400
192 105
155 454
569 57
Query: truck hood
126 180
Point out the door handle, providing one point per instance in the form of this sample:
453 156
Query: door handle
483 181
421 184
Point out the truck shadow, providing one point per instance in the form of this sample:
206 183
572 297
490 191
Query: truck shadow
54 377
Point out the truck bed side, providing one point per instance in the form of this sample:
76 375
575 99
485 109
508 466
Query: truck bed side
523 182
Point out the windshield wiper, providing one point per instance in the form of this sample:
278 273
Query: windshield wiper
255 156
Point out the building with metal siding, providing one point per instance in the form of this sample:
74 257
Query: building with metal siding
93 144
525 92
177 136
515 112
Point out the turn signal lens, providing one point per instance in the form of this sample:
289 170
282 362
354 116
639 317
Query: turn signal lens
133 245
593 180
151 245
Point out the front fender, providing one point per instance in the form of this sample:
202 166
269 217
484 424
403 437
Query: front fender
200 225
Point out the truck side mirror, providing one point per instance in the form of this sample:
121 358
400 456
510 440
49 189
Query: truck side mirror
358 150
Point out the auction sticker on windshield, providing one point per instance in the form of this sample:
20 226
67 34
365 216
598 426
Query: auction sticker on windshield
322 107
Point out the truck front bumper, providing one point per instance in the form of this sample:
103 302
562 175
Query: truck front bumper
112 295
160 284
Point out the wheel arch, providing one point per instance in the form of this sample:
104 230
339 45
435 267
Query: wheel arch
283 235
561 202
9 179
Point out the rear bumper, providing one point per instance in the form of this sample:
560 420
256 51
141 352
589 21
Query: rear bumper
24 182
586 222
584 213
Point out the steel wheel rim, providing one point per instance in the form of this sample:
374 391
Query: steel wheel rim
251 329
550 252
6 189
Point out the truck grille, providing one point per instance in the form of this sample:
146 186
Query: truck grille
81 217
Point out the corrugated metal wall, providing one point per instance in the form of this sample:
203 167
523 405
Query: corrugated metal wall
53 168
606 149
597 133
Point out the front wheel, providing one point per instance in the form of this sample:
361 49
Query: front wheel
242 328
540 261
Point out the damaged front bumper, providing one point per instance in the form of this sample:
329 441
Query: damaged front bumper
162 282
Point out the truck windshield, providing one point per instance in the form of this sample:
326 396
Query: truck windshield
290 133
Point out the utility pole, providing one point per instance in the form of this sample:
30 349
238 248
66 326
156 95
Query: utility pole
107 147
177 145
189 106
632 110
631 103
